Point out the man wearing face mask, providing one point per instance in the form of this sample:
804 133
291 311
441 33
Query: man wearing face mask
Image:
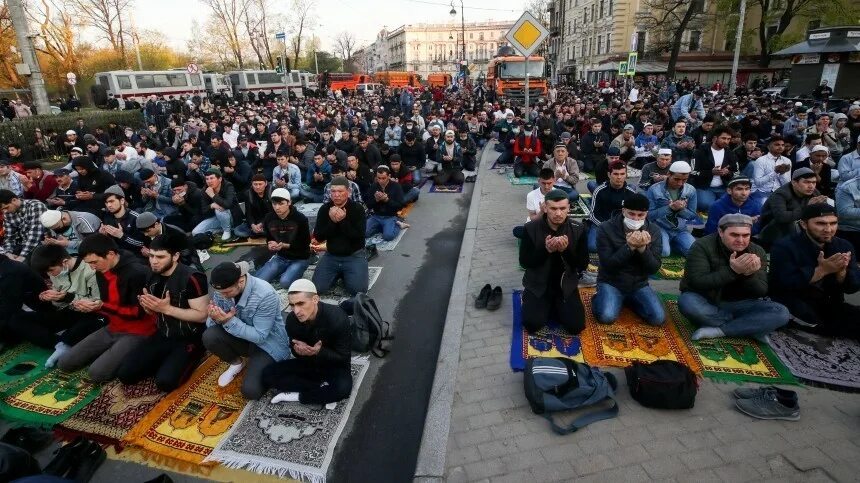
527 150
629 248
469 148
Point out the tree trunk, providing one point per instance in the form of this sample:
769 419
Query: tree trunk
676 43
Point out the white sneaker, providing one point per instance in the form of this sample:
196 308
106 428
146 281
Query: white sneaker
285 397
59 350
331 406
227 377
226 236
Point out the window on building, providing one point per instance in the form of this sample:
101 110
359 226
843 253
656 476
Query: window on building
593 7
591 46
611 7
640 43
599 44
471 35
480 35
608 48
695 40
698 6
771 30
602 7
585 16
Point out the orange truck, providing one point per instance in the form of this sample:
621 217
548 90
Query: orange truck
506 76
439 80
338 80
398 79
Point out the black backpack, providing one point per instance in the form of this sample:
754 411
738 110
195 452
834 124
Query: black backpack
560 384
662 384
370 332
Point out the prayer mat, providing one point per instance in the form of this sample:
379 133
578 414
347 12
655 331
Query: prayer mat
310 210
337 294
593 263
111 415
49 399
822 361
382 245
288 439
729 359
550 341
250 242
219 249
20 365
522 180
671 268
448 188
404 212
580 209
630 339
184 427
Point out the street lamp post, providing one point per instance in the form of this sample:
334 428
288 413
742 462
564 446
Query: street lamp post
453 12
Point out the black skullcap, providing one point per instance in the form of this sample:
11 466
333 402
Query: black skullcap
145 173
340 181
225 275
555 194
816 210
636 202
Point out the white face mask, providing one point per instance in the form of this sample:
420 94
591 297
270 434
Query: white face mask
515 130
527 133
633 224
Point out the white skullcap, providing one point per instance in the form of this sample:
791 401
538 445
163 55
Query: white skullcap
50 218
664 151
449 132
302 285
819 148
680 167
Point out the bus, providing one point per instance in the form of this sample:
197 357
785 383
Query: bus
506 75
439 80
398 79
217 83
247 81
140 84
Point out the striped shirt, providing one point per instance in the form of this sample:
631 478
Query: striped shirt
24 229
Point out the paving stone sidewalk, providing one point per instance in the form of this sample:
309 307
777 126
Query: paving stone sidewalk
495 437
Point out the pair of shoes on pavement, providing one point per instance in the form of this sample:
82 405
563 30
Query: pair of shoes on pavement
767 402
489 298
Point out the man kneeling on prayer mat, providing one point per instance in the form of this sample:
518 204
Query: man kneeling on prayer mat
629 248
725 284
554 250
245 327
811 272
320 338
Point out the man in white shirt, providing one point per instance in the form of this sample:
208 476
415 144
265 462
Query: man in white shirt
230 136
770 171
633 96
535 198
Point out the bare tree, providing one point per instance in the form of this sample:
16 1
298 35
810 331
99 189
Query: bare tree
256 22
106 17
345 45
58 41
302 16
666 21
228 16
540 10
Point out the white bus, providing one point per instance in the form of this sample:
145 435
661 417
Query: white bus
140 84
217 83
269 81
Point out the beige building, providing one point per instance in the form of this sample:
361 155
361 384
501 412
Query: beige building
428 48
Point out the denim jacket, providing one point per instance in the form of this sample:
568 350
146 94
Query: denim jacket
848 205
660 213
258 318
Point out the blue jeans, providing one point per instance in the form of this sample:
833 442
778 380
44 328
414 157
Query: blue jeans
592 238
387 225
411 196
708 197
572 194
312 195
591 185
759 197
285 270
416 175
244 230
680 241
608 300
353 268
741 318
222 220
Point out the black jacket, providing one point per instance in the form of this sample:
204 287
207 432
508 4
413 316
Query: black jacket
96 181
19 285
240 178
623 268
331 326
781 212
394 203
370 157
226 198
412 156
193 209
704 163
256 208
344 238
540 265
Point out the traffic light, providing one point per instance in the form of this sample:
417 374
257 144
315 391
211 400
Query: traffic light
279 67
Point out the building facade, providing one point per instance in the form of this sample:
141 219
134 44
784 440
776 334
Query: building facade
429 48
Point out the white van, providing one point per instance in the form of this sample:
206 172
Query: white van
370 89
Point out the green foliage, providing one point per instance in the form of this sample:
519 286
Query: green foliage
22 130
327 62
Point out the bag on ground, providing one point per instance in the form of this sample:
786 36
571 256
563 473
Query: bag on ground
370 332
662 384
559 384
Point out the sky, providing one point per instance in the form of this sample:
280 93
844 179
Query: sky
172 17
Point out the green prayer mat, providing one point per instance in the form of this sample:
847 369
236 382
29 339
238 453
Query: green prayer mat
734 359
522 180
672 268
48 399
20 365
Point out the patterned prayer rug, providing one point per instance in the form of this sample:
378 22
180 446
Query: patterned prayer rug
550 341
735 359
20 365
522 180
111 415
49 399
382 245
184 427
447 188
287 439
593 262
823 361
629 339
580 210
671 268
334 296
310 210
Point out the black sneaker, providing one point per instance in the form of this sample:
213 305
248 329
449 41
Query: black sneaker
768 405
88 462
372 252
495 300
483 297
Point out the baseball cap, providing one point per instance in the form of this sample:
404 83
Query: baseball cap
815 210
280 193
565 135
302 285
145 220
225 275
629 127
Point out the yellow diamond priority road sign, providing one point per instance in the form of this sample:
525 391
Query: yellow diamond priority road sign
527 34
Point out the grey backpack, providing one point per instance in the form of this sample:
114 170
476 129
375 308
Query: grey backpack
560 384
370 332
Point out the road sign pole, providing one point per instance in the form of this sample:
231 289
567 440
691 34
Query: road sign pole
527 89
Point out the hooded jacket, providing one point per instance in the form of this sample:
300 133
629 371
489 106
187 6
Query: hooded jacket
95 181
625 269
79 283
127 316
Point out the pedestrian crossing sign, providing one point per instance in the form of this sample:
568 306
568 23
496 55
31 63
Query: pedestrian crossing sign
527 34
